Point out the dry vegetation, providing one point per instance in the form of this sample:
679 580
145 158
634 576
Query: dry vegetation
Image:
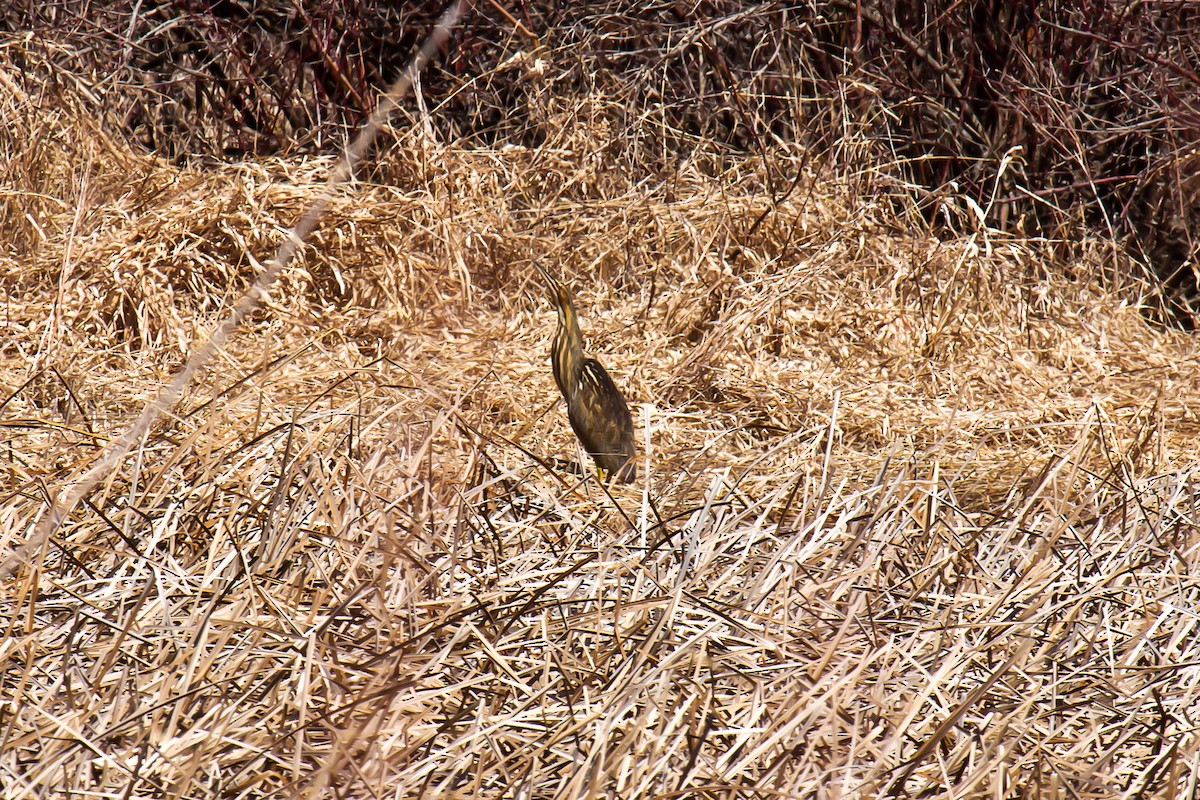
917 514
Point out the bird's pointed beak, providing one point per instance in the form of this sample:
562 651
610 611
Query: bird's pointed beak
553 284
553 288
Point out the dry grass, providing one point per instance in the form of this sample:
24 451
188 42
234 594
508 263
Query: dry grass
918 517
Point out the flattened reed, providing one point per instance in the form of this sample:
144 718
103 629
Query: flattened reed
917 516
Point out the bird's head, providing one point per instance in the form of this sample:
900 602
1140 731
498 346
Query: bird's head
558 294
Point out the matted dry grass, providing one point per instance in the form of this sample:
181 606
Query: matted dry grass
916 516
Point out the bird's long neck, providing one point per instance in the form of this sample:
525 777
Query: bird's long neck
567 354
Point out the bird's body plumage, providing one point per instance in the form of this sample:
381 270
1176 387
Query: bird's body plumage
597 411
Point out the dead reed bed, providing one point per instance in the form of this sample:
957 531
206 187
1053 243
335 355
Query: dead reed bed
917 516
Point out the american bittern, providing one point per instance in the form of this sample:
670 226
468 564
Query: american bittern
595 407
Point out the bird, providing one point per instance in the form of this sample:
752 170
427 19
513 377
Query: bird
595 407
